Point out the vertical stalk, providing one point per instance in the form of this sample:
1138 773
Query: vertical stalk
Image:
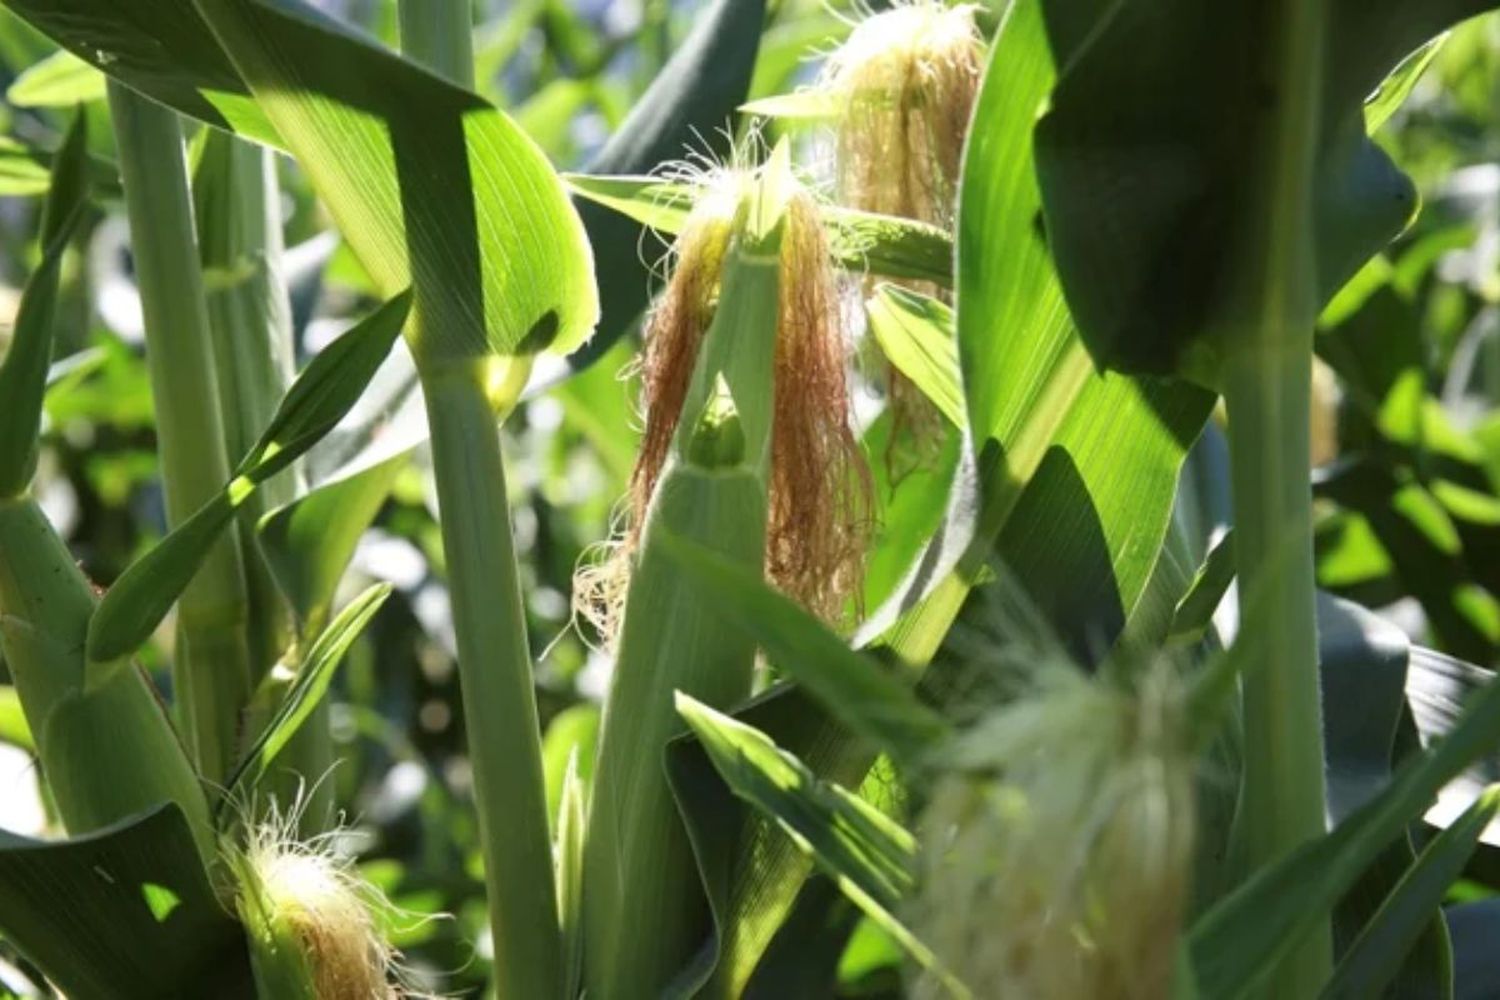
494 663
237 197
1267 386
489 616
211 673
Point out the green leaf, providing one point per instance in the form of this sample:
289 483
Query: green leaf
309 542
1397 87
1244 935
314 675
432 187
124 912
321 395
868 854
59 81
916 333
859 241
1367 968
1194 613
1147 149
23 372
861 694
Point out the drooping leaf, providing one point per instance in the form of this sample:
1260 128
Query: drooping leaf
433 187
865 852
126 912
320 396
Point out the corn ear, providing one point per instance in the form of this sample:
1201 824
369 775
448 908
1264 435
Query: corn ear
643 910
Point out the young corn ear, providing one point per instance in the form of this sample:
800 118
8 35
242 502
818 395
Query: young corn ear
1058 849
749 303
818 487
905 82
307 916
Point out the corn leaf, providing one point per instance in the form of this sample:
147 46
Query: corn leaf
13 727
916 334
124 912
1369 965
868 854
321 395
1244 934
860 241
861 694
59 81
314 675
1152 103
432 187
24 370
569 853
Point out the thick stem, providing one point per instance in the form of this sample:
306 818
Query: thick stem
212 673
237 197
1267 387
495 670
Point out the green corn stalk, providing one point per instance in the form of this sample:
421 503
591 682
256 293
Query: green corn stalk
1267 390
108 753
236 197
463 395
644 913
211 669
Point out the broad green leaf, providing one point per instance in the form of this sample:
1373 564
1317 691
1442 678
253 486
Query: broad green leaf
24 370
433 187
916 334
859 241
125 912
868 854
314 675
1371 962
1245 934
59 81
1148 148
866 697
320 396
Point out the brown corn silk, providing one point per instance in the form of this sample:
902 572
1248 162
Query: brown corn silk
818 494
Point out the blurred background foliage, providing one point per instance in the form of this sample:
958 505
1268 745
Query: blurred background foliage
1408 446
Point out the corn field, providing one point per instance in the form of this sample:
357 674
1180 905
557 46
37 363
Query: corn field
632 499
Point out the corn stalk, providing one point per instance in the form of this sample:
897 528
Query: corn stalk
211 668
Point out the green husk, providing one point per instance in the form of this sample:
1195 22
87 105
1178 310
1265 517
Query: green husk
644 912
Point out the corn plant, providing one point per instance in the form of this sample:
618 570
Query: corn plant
793 544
